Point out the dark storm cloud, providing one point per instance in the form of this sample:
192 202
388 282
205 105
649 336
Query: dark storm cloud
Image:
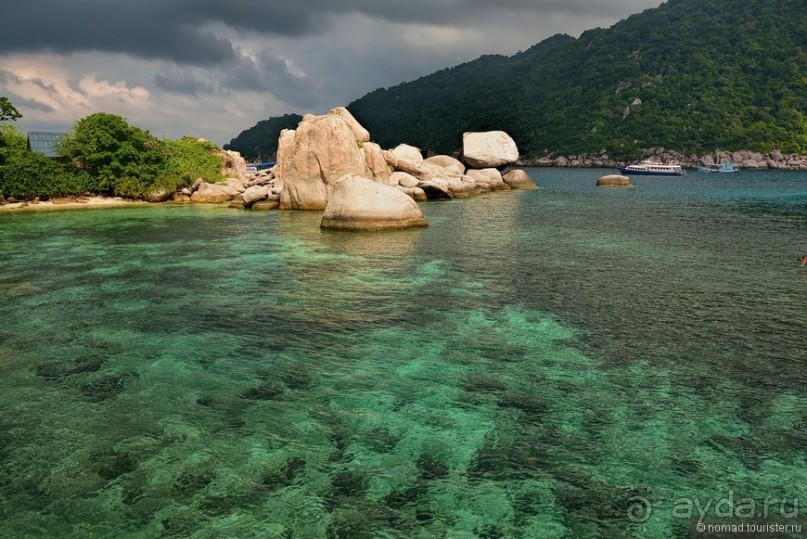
179 30
265 72
182 80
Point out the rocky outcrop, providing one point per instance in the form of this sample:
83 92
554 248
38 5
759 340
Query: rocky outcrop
361 134
614 180
745 159
324 149
518 179
232 164
312 158
489 150
360 204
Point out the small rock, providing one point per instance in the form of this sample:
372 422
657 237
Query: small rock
180 198
518 179
614 180
403 179
63 200
265 205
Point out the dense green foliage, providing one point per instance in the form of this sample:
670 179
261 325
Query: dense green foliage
30 174
8 111
116 157
126 160
11 141
104 154
25 174
190 158
260 141
727 74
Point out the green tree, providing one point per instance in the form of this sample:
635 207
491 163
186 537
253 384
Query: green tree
115 156
8 111
11 141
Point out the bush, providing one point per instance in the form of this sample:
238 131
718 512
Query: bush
28 174
11 141
189 158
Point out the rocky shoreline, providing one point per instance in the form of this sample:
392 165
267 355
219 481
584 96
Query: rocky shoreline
745 159
329 164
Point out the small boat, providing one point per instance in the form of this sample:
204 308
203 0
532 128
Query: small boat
651 168
725 167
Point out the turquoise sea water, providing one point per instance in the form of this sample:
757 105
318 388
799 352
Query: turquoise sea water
568 362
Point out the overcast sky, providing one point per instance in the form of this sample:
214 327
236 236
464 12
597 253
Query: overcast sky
214 68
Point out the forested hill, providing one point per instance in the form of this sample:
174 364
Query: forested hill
691 76
259 142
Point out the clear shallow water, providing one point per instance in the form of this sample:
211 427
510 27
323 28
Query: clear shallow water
533 364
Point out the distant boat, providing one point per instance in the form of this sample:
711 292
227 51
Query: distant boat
651 168
266 164
725 167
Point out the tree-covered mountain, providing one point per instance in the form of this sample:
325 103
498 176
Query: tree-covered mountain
260 141
690 75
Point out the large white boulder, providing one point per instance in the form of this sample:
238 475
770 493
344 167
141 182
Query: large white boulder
323 149
357 203
409 153
489 149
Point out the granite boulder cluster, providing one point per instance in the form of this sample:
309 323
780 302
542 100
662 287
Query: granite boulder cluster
330 164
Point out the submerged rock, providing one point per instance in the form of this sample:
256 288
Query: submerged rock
265 205
358 203
518 179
